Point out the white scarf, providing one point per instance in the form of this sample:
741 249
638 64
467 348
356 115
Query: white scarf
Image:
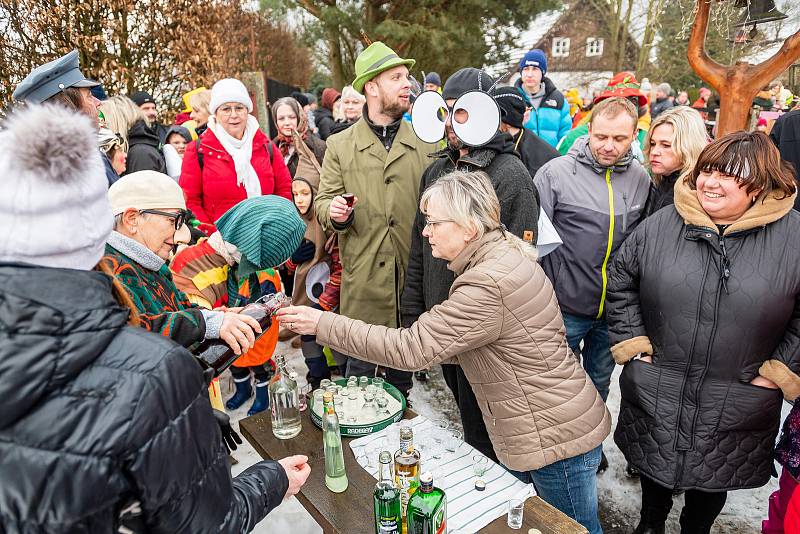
241 150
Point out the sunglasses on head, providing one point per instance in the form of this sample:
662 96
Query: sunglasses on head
179 217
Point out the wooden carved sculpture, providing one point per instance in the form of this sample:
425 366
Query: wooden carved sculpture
736 84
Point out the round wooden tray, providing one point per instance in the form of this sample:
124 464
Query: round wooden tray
364 430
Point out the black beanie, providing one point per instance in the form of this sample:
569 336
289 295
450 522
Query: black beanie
466 79
301 98
512 106
142 97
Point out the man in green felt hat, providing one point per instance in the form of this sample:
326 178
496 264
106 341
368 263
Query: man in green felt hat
379 160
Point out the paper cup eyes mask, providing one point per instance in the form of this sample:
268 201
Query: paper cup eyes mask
475 117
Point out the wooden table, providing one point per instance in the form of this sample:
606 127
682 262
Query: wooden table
351 512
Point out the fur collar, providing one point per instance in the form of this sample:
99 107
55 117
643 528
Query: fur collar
766 209
135 251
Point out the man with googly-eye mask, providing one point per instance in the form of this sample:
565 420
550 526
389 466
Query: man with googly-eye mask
468 118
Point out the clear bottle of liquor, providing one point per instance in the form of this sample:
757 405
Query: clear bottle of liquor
406 468
335 475
427 509
284 401
386 499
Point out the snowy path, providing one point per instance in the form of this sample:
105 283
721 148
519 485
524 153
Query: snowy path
619 496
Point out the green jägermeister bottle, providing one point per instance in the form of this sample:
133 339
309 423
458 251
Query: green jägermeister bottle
427 508
386 499
335 475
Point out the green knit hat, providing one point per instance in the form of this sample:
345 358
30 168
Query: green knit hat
375 59
265 229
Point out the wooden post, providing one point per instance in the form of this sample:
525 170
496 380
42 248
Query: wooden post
736 84
257 87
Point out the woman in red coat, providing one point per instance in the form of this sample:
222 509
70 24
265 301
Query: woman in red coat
232 160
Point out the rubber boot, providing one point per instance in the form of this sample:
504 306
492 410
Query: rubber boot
262 399
243 392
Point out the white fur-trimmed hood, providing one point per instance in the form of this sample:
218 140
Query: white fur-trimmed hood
54 208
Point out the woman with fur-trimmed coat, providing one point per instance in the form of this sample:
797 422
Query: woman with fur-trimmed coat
704 313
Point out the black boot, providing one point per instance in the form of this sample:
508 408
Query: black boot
646 528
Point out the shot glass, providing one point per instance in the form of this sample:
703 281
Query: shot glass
480 464
515 507
349 198
453 441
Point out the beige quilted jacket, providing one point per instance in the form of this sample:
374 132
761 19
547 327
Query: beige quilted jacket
503 326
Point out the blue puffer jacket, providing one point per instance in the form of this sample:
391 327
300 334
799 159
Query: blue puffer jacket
551 121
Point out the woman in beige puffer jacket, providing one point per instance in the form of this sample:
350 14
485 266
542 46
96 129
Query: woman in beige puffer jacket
502 324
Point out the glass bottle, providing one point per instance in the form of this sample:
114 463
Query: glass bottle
406 467
216 354
284 402
335 475
386 499
427 509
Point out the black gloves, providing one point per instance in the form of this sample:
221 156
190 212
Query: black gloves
229 435
304 252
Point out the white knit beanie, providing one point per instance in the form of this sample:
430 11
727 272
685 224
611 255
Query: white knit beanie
54 208
229 90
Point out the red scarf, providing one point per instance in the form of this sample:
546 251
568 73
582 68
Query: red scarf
285 143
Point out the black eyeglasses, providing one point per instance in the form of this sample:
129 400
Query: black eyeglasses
179 217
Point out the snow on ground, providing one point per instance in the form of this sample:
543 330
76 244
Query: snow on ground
619 496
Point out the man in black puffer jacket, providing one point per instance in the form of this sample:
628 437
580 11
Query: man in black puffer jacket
103 425
428 280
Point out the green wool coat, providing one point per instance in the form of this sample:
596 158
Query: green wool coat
374 244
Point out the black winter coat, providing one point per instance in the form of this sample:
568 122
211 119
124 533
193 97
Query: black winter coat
428 280
661 195
144 150
97 416
323 120
785 134
711 310
660 106
533 151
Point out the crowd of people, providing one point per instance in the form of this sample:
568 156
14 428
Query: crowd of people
676 258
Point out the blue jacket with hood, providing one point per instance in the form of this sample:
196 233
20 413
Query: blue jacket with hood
551 121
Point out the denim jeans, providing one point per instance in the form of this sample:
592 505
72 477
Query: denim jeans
571 486
596 353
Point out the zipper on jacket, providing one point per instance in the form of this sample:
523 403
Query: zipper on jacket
725 265
625 213
604 268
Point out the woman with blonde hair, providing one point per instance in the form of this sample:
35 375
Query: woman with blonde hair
352 104
200 102
502 324
673 143
141 141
